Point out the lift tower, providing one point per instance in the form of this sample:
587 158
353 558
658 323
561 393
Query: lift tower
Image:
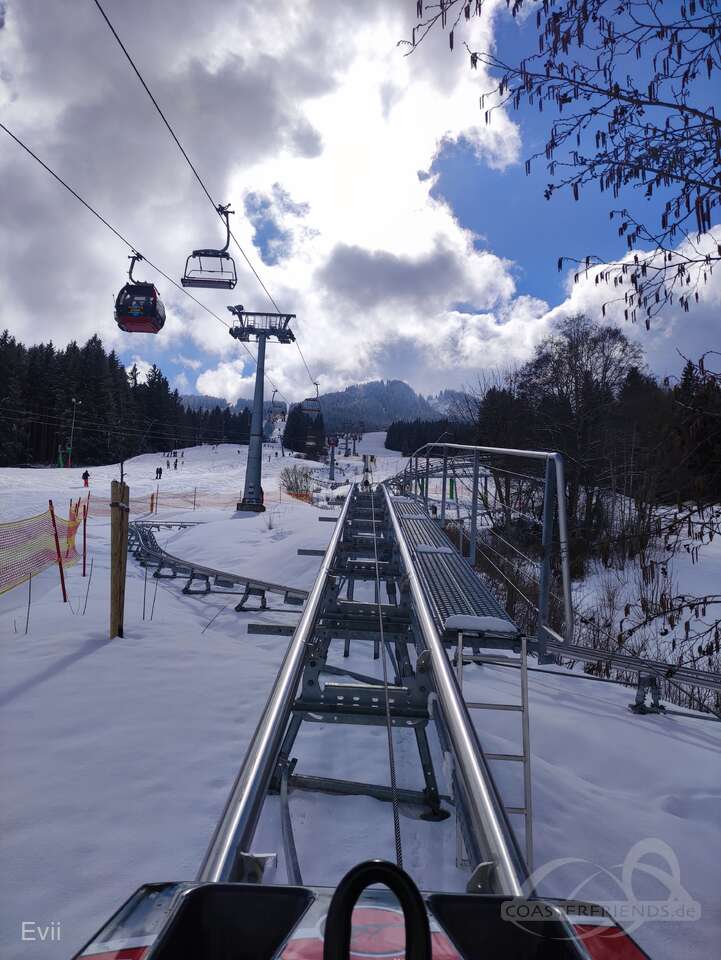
258 328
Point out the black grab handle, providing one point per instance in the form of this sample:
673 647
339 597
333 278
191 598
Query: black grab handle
338 925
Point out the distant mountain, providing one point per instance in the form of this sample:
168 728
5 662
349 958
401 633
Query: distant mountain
202 401
374 406
242 404
363 406
450 404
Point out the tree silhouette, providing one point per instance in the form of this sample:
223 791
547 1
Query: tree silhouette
632 84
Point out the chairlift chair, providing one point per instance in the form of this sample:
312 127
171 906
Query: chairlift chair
138 307
311 405
214 269
277 408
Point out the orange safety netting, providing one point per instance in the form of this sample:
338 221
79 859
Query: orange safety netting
183 499
27 547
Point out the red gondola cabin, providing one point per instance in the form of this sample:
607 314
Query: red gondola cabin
139 309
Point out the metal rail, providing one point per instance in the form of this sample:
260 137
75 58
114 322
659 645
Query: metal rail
235 830
555 478
146 547
664 671
487 819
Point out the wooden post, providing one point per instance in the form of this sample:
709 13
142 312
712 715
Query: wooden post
145 586
152 503
157 496
119 510
195 492
58 552
85 534
30 597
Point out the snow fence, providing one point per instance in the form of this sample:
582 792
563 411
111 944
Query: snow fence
27 547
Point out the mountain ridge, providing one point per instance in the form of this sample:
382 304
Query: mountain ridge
372 405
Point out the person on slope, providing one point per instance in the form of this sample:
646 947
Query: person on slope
86 478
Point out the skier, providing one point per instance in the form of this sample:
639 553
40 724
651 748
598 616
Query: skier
159 472
86 478
167 464
175 464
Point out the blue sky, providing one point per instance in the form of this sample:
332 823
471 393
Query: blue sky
318 146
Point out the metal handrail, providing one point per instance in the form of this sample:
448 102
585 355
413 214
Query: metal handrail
549 457
486 818
236 828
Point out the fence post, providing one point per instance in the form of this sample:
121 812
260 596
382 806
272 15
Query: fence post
58 551
474 511
85 534
119 510
195 491
428 475
157 496
544 586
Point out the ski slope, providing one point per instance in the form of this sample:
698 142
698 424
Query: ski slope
116 757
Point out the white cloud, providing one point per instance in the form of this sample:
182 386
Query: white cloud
335 118
181 383
226 380
142 366
672 333
341 127
188 362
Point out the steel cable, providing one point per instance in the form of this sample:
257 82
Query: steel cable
389 723
195 171
131 246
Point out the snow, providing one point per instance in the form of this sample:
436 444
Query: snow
480 625
116 757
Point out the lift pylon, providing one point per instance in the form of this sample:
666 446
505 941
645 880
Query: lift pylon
258 328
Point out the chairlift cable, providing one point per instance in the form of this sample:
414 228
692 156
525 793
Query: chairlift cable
171 435
155 102
59 420
194 170
127 242
305 363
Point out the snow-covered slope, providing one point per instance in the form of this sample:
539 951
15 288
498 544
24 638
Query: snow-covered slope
117 756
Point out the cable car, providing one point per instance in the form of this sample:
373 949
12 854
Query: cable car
277 408
138 307
311 405
214 269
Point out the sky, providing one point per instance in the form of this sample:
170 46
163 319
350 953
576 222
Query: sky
368 193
